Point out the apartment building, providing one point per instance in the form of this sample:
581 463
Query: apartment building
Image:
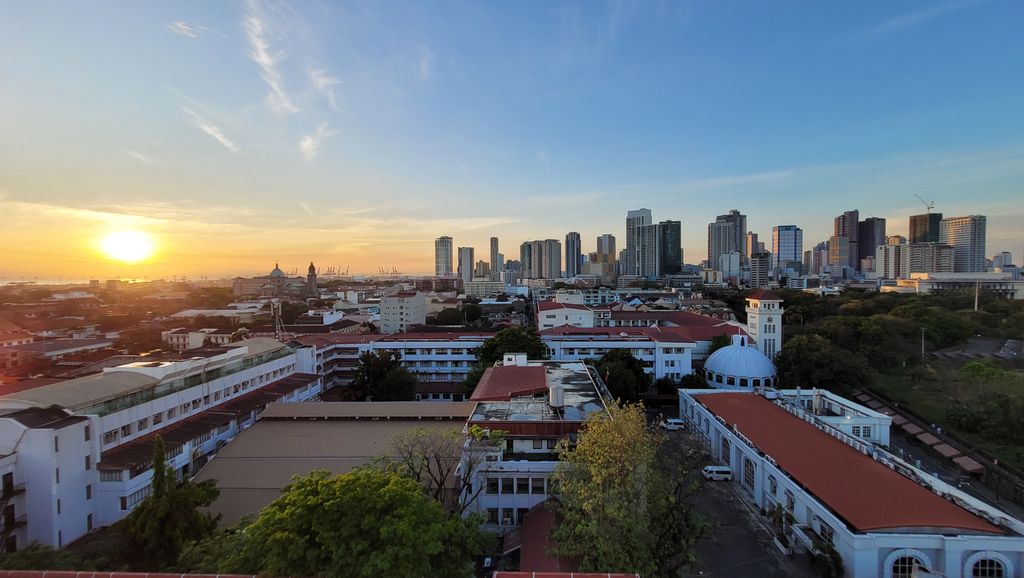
399 312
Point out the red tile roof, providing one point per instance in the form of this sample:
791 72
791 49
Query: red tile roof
764 295
501 383
861 491
549 305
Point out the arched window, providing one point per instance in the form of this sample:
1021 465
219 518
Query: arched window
743 382
757 383
904 566
718 378
988 568
730 380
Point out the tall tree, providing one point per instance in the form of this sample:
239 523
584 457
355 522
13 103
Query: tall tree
160 526
813 361
622 498
365 523
380 376
623 374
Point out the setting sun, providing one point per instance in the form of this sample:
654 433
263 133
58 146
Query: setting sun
127 246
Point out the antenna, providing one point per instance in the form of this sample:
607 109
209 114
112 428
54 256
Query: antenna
929 205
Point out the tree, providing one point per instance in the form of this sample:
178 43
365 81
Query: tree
472 312
665 386
432 457
719 341
622 498
160 526
450 316
511 340
139 340
694 381
37 556
380 376
813 361
623 374
365 523
240 334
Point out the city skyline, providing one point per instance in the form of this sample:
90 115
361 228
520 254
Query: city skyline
238 135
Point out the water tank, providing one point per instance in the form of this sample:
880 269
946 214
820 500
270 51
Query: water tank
556 395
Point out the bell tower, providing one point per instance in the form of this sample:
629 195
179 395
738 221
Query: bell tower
764 322
311 288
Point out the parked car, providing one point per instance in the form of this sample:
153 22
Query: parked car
673 424
717 473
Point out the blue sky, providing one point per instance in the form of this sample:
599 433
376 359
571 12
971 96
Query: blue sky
240 133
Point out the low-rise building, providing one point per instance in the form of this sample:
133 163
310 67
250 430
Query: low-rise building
181 339
399 312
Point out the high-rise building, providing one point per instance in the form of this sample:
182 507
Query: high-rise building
495 266
839 249
967 236
721 241
670 248
482 269
573 254
443 256
870 234
760 263
551 263
750 243
929 258
466 262
1004 259
847 226
606 246
787 244
890 261
924 228
526 260
895 240
635 221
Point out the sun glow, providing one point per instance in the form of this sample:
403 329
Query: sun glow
128 246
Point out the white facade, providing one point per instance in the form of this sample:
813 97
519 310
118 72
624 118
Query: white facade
865 554
551 315
87 464
764 322
401 311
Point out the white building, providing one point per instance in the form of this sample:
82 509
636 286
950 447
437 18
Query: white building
181 339
740 366
535 404
1003 284
967 236
884 517
399 312
764 321
551 314
84 447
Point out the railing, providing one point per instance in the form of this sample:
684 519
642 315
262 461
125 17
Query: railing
12 490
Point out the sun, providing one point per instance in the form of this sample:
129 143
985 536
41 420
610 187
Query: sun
128 246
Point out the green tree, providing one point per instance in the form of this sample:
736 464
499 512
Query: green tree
38 556
694 381
160 526
622 498
665 386
813 361
380 376
719 341
982 371
472 312
139 340
450 316
365 523
511 340
623 374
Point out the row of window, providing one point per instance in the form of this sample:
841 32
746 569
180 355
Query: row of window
506 516
862 431
531 486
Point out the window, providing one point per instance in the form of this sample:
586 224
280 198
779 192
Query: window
56 444
57 474
506 486
206 400
143 424
905 566
88 491
216 396
158 417
88 463
492 515
126 430
88 433
196 403
124 503
538 444
110 476
856 430
773 485
88 523
58 506
536 485
988 568
866 430
506 516
492 487
790 501
748 474
170 413
522 485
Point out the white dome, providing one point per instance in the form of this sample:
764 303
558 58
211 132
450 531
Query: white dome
739 365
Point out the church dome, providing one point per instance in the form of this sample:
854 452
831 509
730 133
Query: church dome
277 272
739 365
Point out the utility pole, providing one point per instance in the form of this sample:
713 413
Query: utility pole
977 289
922 344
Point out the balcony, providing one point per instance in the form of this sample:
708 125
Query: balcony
12 522
11 490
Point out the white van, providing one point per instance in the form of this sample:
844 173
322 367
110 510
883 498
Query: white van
673 424
717 473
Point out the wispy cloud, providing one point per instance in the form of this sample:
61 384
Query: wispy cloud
139 156
306 208
310 143
911 19
257 34
209 128
181 27
426 62
324 84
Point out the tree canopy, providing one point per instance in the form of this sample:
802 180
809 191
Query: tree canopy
381 377
366 523
622 499
813 361
510 340
623 374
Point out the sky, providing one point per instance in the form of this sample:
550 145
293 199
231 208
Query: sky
240 134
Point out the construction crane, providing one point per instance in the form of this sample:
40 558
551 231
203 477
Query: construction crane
928 205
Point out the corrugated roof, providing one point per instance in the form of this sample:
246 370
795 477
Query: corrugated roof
83 392
505 382
368 409
863 492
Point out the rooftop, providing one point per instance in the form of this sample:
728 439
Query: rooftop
505 382
864 493
57 346
583 395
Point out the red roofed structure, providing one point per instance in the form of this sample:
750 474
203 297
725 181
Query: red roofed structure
502 383
763 295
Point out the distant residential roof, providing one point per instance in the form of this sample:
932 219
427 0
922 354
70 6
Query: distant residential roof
56 323
43 417
321 340
861 491
368 409
505 382
60 346
550 305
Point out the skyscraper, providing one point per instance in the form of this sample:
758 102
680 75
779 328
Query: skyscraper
670 248
924 228
759 265
750 243
443 256
787 244
495 265
552 262
573 254
635 221
721 241
739 231
466 263
967 236
846 227
526 260
871 235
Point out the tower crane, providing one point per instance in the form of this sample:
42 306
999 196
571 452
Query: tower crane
928 205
